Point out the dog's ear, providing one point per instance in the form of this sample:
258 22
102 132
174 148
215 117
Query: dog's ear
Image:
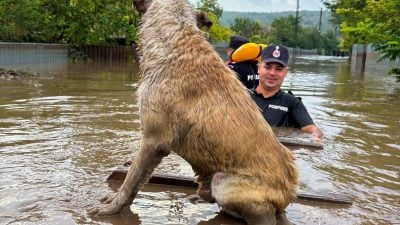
202 19
140 6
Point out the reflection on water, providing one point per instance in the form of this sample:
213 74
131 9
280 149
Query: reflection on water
61 135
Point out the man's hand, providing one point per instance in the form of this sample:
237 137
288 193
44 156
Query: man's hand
315 131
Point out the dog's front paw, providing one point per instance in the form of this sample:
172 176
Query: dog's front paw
109 208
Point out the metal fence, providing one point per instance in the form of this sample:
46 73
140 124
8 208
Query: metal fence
106 52
50 58
34 57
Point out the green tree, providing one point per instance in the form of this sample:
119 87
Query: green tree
210 6
309 38
282 31
19 20
251 29
92 21
218 32
76 22
245 26
369 21
330 43
386 24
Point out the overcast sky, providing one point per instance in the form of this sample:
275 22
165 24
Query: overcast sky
267 5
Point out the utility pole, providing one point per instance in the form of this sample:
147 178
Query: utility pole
319 33
320 21
296 28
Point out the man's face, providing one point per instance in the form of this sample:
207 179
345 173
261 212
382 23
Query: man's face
272 75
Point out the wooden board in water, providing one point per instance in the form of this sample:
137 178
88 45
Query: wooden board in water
120 174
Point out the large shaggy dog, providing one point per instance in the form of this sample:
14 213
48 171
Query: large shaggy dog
191 103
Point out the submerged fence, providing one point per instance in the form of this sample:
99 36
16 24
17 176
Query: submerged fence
48 58
105 52
34 57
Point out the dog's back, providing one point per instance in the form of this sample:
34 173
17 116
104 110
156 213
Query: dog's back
190 96
191 103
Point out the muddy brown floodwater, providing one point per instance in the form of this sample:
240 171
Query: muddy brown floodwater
63 133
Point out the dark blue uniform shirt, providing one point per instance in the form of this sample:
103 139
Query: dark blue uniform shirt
247 72
282 110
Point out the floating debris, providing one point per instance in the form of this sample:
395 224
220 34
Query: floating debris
14 74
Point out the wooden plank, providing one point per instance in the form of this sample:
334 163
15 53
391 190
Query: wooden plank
120 174
294 137
295 142
335 199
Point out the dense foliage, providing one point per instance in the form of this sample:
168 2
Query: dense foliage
309 18
282 31
210 6
374 22
76 22
218 32
250 28
82 22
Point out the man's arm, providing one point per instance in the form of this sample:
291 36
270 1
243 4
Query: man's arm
306 123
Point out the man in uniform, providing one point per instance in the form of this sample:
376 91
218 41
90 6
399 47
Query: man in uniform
246 70
279 108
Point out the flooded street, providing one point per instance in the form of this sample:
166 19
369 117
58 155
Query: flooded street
63 133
